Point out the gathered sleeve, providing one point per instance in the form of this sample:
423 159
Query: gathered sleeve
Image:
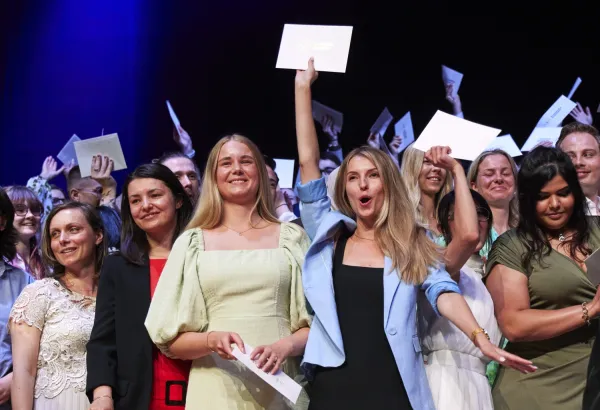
178 304
507 250
32 305
315 204
295 243
437 282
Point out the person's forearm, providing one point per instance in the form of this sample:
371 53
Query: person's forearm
308 145
190 346
298 341
453 307
21 391
103 391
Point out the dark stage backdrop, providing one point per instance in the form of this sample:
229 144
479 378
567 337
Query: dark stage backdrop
82 66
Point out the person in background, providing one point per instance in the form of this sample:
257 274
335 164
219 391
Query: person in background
185 170
454 99
125 370
28 214
51 321
281 207
111 220
57 195
12 282
100 188
41 186
581 142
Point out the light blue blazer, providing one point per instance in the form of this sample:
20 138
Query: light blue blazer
325 346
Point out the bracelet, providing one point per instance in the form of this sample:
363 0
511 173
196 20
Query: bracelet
102 397
477 331
586 314
207 345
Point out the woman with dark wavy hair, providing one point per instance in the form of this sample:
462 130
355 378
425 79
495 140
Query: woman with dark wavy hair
544 301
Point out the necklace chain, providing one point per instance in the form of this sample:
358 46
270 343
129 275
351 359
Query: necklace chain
238 232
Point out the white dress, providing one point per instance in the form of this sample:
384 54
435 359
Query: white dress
455 367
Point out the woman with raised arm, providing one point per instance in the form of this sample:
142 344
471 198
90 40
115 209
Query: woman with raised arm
51 321
544 302
234 277
357 360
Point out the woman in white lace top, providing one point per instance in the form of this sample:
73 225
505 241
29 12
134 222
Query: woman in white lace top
51 321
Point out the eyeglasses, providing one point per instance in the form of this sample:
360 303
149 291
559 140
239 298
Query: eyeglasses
58 201
22 210
483 215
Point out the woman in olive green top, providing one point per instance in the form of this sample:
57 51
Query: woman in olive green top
543 299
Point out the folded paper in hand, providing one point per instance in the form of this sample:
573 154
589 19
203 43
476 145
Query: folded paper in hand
106 145
574 88
541 135
556 113
320 112
280 381
382 123
67 154
507 144
284 168
404 129
450 76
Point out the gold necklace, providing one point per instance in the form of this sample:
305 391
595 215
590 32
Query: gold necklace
238 232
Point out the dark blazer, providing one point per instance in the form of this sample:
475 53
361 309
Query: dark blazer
119 353
591 395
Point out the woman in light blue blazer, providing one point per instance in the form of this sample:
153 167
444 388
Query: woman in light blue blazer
355 360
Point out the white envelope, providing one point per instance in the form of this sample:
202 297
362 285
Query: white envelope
404 129
284 168
507 144
382 123
320 111
541 134
107 145
173 115
329 45
67 153
466 139
452 76
280 381
574 88
557 112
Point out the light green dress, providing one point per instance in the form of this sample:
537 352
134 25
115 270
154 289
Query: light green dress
255 293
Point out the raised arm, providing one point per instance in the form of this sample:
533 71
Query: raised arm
308 144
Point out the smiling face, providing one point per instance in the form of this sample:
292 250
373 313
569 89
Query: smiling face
72 239
364 188
555 204
237 173
584 152
153 206
27 219
431 178
495 180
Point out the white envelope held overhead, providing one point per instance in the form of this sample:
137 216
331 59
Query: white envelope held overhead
280 381
507 144
574 88
557 112
382 123
404 129
540 135
450 76
321 111
329 45
466 139
67 154
284 168
107 145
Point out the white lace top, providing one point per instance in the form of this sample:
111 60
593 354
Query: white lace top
65 319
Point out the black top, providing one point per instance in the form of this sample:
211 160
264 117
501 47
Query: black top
591 395
369 378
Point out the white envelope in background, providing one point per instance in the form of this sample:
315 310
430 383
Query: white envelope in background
321 111
329 45
404 129
452 76
284 168
539 135
173 115
466 139
382 123
67 153
557 112
507 144
280 381
574 88
107 145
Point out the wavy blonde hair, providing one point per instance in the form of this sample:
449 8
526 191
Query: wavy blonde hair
412 162
513 207
209 212
396 230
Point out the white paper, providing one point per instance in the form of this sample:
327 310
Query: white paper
382 123
67 153
539 135
466 139
321 111
507 144
280 381
556 113
284 168
404 129
107 145
450 76
329 45
593 267
574 88
173 115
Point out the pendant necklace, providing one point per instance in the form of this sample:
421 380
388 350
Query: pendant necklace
238 232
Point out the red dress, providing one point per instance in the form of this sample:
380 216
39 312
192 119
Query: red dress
169 384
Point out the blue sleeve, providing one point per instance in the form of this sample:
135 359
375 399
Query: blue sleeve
438 281
315 205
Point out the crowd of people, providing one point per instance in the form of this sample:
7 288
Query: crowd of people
385 279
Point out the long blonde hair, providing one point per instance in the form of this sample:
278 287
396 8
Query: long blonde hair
412 162
209 211
396 230
513 206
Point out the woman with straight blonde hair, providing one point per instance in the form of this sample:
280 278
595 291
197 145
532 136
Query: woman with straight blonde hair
234 277
372 253
426 184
